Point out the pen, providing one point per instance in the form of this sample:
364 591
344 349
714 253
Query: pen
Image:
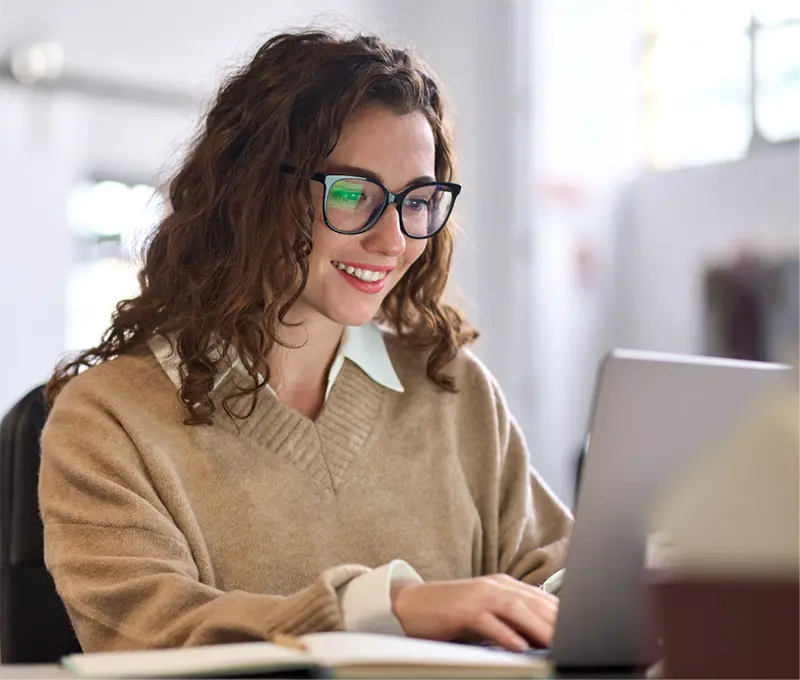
290 642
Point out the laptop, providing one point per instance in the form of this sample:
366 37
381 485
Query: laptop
652 414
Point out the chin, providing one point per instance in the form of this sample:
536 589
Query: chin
351 317
344 306
347 309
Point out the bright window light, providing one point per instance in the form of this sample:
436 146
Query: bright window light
110 221
717 75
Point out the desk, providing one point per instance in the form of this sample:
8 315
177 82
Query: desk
52 670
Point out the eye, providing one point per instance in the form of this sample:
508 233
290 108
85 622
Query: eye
417 204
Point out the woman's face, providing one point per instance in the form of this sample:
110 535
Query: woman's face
397 150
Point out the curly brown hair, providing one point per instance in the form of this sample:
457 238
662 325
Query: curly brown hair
221 270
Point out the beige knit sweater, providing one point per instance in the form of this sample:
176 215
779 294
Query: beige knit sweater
160 534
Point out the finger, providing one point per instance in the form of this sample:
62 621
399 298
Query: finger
526 620
545 608
491 628
538 592
506 581
535 599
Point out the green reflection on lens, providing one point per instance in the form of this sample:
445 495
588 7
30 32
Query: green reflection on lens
345 195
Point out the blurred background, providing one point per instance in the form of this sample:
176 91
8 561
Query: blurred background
630 171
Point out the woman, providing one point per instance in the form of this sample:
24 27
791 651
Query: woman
248 452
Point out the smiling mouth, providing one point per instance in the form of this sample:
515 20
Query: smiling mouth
366 275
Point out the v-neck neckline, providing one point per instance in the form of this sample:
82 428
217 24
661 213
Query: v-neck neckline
325 448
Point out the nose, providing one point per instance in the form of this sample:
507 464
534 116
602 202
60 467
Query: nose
385 238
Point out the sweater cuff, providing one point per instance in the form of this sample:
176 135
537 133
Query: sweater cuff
553 584
366 601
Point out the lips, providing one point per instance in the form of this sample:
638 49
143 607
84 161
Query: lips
364 280
367 273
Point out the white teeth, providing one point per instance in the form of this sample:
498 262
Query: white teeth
367 275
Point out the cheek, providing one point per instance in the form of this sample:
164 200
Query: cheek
322 238
318 236
414 249
324 242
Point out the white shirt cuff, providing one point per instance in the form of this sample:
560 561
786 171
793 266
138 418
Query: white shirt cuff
366 601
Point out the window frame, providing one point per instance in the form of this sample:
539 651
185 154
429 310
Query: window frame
758 144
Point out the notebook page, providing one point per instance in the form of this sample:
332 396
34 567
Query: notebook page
347 649
185 661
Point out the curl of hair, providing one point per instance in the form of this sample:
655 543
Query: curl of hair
220 272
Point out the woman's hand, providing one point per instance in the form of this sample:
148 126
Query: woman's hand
497 608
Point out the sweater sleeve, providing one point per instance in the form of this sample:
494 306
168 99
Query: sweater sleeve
534 526
121 565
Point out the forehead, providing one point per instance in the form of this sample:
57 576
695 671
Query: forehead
394 147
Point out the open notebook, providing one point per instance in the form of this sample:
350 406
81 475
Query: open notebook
342 655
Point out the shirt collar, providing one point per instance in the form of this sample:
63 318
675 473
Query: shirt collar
363 345
366 348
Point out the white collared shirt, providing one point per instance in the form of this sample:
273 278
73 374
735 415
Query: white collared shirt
363 345
366 600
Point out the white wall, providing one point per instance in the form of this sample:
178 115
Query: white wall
583 153
33 244
186 44
677 221
469 46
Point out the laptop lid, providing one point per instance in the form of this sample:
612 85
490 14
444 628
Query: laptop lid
652 413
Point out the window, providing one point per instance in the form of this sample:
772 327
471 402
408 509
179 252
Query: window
720 77
109 221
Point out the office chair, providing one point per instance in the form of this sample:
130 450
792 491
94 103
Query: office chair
34 627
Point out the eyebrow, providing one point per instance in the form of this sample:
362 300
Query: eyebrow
337 168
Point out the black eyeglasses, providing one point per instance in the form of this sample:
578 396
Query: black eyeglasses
353 205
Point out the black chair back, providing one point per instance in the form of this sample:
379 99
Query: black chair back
34 627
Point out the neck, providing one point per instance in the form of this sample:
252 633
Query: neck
304 363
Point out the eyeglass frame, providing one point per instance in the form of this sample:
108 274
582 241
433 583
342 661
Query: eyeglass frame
328 180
